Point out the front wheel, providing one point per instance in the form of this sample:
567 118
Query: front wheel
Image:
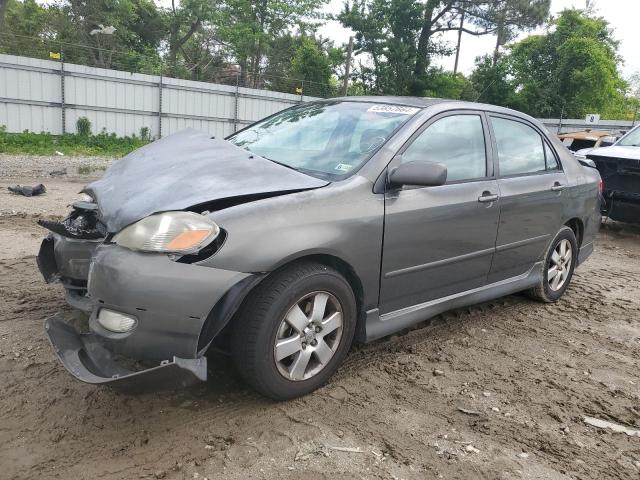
294 330
557 270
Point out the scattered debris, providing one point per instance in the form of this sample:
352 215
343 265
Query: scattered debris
59 153
495 409
438 373
58 173
471 449
596 422
486 394
523 455
28 191
468 412
347 449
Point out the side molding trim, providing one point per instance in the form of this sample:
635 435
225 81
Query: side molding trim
378 326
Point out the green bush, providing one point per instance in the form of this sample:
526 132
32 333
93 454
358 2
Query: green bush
103 144
145 134
83 126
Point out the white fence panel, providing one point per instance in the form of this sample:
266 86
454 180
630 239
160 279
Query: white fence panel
49 96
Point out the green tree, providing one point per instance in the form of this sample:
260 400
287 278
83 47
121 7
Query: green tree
182 22
311 64
401 36
248 27
492 82
24 20
571 70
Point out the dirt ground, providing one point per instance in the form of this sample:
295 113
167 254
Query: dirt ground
525 373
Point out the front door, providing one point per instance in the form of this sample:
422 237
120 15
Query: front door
531 184
439 241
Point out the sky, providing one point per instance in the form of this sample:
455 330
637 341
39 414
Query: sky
622 15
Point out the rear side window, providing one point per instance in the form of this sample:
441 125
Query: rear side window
456 141
552 161
520 147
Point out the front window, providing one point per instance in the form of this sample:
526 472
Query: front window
457 142
327 139
631 139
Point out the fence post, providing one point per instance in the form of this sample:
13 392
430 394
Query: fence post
160 106
235 106
560 122
62 99
302 92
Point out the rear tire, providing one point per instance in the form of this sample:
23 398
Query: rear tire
294 330
557 270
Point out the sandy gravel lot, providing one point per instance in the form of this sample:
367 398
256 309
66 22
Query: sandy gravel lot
525 373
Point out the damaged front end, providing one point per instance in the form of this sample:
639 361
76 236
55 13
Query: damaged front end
65 254
136 260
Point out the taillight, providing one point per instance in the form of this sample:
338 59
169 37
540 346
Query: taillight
601 186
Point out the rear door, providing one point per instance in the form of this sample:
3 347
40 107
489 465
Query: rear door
440 240
531 183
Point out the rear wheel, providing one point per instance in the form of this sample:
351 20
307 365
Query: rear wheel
294 330
557 271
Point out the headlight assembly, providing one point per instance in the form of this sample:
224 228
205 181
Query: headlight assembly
171 232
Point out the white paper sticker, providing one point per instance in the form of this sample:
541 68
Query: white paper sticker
393 109
343 167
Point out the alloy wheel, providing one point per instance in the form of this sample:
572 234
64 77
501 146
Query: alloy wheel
308 336
560 265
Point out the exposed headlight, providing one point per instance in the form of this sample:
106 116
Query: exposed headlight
170 232
85 197
115 321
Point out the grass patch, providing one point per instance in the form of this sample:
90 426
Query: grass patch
102 144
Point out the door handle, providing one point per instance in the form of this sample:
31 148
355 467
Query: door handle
558 187
488 197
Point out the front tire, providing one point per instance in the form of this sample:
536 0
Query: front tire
294 330
557 270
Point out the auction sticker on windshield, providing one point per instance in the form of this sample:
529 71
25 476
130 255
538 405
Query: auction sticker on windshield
393 109
343 167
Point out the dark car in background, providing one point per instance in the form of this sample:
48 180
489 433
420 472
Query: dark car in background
330 222
619 167
583 142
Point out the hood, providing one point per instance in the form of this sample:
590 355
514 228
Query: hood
617 151
183 170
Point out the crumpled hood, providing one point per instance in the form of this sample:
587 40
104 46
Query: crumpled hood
617 151
183 170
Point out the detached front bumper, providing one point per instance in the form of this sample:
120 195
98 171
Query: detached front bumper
87 359
178 309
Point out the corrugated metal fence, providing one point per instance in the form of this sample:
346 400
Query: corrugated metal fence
555 125
49 96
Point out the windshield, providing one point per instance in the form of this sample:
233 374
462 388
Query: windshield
328 139
631 139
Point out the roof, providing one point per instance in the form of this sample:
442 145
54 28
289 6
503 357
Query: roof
424 102
420 102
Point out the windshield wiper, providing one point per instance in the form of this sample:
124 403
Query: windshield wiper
282 163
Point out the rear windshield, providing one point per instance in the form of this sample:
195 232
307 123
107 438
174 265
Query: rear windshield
327 139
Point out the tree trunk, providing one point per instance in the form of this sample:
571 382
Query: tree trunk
500 39
422 55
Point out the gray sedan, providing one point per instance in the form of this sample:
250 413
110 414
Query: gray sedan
330 222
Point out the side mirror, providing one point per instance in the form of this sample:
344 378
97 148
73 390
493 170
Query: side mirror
423 174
